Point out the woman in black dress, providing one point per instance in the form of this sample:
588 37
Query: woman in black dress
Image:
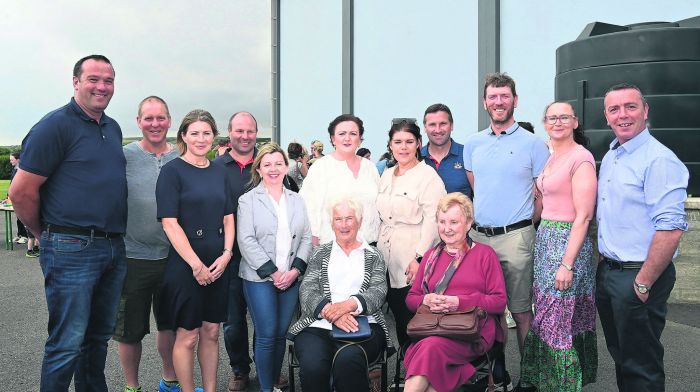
197 216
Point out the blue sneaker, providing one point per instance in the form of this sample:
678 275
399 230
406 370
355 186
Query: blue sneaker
198 389
163 387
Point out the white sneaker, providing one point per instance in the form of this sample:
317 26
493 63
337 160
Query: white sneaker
22 240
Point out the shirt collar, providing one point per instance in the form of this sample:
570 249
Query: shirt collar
508 131
363 245
227 158
632 144
80 112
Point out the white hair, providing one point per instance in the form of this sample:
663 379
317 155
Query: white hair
350 201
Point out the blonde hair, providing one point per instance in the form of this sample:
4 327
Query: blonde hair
266 149
456 199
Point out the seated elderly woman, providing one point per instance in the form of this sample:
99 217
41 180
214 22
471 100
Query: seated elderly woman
345 279
437 363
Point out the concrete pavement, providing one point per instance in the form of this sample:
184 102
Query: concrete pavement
23 322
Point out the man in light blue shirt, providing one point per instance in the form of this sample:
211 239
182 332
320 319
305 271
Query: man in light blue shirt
641 217
502 162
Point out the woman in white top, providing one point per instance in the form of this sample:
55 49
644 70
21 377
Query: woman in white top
342 173
275 242
408 196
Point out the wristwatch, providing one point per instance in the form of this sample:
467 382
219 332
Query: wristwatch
642 288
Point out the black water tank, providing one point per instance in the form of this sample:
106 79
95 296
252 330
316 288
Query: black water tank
662 58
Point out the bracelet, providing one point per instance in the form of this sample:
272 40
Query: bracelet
227 250
568 267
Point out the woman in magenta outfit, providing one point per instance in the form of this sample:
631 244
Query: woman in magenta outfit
440 364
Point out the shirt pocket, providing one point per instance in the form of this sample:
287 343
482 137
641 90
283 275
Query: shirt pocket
406 208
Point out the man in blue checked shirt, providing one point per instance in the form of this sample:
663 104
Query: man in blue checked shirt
641 217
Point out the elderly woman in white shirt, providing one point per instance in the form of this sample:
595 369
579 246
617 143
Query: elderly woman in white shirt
275 242
408 196
346 278
341 173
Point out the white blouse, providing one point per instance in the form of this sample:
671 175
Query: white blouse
345 275
329 178
283 243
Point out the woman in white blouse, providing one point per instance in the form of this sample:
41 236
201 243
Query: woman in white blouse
275 242
342 173
408 196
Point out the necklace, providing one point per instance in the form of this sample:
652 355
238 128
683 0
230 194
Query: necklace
204 164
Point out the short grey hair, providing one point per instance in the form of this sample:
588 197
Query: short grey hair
350 201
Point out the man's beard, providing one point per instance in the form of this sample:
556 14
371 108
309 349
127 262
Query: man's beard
509 116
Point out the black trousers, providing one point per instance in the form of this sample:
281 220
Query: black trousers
319 358
396 298
633 329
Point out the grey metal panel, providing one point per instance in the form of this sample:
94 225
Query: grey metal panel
348 53
489 49
275 60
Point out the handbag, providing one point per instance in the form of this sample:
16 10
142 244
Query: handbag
363 331
464 325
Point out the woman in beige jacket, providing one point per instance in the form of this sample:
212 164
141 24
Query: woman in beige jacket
407 201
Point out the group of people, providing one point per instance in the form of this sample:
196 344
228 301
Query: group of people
151 224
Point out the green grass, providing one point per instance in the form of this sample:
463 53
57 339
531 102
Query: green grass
4 184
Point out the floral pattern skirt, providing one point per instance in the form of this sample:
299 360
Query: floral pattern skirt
561 350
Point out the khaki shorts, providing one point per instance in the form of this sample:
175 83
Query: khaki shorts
141 289
515 252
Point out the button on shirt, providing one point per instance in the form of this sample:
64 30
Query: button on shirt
641 189
504 167
450 168
345 275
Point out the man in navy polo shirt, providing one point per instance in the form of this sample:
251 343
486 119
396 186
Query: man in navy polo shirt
442 153
71 191
502 163
243 133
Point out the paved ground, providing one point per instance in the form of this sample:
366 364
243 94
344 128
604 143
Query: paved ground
23 331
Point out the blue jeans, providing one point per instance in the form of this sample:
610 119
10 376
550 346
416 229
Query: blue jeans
83 279
236 325
272 311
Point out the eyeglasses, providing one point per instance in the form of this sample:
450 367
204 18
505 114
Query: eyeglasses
565 119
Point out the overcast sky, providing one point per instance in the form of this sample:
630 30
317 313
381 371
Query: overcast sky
213 55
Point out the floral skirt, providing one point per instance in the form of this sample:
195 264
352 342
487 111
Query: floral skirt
561 349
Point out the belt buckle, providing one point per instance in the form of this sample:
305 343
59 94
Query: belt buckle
490 232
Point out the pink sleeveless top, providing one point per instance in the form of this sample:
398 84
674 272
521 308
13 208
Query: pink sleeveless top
555 187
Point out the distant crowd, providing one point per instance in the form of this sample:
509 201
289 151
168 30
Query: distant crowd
313 246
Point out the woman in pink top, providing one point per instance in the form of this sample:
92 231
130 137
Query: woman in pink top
560 349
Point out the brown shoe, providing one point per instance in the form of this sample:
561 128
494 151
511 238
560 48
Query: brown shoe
238 382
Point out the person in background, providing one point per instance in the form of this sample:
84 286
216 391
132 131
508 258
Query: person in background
275 242
641 216
342 172
502 163
561 352
345 279
221 148
441 152
70 191
21 237
299 163
527 126
383 162
364 153
197 216
146 248
408 196
316 151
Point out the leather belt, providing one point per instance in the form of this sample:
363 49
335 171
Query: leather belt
491 231
81 231
622 265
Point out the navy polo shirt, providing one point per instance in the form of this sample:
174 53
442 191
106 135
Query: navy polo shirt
237 174
84 164
451 168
